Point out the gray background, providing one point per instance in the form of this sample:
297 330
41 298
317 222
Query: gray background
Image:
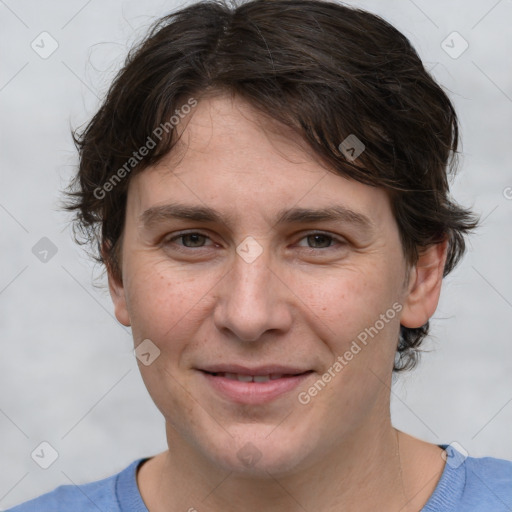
68 375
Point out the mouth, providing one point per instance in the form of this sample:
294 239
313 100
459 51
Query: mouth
256 386
252 378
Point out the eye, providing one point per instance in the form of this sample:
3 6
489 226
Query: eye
190 240
197 240
321 240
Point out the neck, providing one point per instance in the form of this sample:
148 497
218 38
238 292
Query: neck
362 473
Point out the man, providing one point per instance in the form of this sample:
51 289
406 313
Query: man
267 187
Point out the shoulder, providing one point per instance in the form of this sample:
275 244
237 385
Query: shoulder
74 497
97 495
490 477
472 484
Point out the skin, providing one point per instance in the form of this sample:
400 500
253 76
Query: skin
301 302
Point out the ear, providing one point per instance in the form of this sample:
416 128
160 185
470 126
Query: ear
424 286
117 293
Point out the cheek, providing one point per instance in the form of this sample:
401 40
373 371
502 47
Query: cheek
166 303
346 303
168 307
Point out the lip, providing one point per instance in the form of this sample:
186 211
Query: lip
254 393
259 370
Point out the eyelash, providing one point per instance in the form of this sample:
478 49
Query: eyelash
330 237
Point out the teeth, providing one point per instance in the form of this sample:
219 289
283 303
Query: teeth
244 378
251 378
261 378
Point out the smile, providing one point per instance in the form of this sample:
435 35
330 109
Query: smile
253 389
251 378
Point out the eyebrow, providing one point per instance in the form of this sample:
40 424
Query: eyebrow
337 213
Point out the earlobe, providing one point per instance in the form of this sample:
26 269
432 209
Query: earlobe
424 286
116 289
117 293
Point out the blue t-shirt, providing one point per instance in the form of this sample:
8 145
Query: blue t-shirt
468 485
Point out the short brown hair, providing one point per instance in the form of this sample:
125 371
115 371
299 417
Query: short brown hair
326 70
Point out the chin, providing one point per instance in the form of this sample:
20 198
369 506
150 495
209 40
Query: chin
256 453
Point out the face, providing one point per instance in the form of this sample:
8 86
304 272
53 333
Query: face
242 256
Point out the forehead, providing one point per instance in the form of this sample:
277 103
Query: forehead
232 158
225 123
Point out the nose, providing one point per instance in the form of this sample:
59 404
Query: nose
253 300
